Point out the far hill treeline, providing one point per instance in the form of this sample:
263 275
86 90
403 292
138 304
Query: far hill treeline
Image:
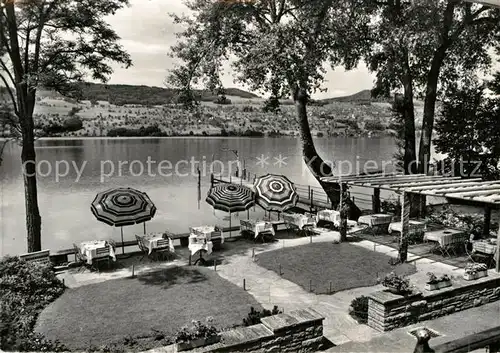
145 95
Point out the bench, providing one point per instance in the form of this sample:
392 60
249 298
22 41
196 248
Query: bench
41 257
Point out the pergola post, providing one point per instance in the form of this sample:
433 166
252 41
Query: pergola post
376 200
487 221
405 226
497 253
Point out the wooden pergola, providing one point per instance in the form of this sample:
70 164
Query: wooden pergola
485 194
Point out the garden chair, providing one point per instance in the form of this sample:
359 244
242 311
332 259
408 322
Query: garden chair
102 255
80 258
144 250
162 250
477 257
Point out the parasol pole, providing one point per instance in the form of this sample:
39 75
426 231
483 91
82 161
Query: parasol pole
144 228
229 224
123 245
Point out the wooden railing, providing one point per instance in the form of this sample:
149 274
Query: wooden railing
314 195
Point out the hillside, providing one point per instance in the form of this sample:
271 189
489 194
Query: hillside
363 96
109 110
146 95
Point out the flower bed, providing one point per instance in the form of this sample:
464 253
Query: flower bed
387 311
396 284
196 335
475 271
435 283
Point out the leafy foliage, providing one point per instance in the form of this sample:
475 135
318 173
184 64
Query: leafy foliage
448 217
254 316
66 39
421 47
277 45
25 290
473 268
391 207
398 283
433 279
468 131
195 331
359 309
152 130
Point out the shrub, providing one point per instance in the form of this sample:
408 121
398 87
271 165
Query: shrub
74 110
73 123
32 287
254 316
359 309
195 331
392 207
447 217
397 283
222 100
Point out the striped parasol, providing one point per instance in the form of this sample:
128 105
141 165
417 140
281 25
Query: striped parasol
230 198
122 207
275 192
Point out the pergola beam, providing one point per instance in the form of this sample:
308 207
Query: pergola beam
472 193
492 198
398 184
443 184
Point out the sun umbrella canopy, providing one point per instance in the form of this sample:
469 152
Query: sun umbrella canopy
122 207
275 192
230 197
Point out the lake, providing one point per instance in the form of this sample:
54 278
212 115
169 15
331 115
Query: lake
71 172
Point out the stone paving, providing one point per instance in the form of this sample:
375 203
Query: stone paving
270 289
339 327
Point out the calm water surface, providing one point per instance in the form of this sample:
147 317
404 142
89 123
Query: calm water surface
65 201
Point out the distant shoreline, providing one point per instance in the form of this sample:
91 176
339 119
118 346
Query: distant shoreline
184 137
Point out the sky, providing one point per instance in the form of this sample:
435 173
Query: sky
147 33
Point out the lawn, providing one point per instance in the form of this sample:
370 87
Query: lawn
144 312
345 265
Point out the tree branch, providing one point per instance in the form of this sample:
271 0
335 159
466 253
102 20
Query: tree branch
470 18
6 69
11 94
15 56
39 32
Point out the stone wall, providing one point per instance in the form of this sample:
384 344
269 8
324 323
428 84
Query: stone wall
387 311
296 331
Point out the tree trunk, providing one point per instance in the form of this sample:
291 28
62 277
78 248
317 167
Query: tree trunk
410 154
28 158
316 165
424 152
344 215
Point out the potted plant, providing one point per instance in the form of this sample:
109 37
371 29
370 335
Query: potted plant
396 284
475 271
434 282
196 335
